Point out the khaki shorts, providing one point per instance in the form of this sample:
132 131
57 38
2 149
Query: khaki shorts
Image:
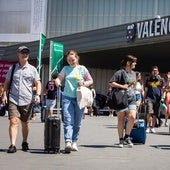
22 112
153 107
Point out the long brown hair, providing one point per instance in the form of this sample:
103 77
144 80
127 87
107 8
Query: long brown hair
127 58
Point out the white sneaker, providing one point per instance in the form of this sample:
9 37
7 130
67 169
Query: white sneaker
74 146
153 130
68 147
166 124
147 130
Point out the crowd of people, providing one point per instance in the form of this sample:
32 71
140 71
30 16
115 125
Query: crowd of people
154 92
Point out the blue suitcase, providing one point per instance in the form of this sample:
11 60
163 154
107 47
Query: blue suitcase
138 133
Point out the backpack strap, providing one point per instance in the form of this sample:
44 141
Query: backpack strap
11 78
124 76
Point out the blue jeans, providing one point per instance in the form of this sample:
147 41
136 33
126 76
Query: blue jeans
72 118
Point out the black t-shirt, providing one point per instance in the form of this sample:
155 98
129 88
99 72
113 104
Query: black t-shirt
155 87
51 90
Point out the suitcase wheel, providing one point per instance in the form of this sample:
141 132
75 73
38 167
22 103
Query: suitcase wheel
46 150
52 151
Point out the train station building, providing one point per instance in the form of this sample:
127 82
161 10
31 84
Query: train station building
102 32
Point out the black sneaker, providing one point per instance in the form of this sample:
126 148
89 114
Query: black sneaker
12 149
127 142
25 146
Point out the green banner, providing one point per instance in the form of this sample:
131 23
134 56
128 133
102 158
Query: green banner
56 59
41 46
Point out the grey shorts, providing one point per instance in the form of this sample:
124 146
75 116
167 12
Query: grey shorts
152 107
22 112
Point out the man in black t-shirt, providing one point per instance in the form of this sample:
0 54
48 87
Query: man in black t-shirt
154 87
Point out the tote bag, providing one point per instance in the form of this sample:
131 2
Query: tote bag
118 99
84 97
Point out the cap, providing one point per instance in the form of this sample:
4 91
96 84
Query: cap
21 48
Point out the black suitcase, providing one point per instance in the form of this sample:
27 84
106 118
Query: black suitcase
43 113
52 134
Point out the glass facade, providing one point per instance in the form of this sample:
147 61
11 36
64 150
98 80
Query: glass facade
23 20
71 16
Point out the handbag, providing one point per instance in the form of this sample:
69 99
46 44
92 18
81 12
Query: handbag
84 97
118 99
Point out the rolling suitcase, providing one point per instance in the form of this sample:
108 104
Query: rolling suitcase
138 133
52 134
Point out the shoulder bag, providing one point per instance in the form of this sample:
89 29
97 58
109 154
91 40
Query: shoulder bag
118 97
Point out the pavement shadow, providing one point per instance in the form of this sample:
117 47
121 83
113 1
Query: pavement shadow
164 147
162 133
41 151
37 151
3 150
96 146
111 126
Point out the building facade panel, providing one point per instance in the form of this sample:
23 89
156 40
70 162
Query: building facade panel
22 20
66 17
95 14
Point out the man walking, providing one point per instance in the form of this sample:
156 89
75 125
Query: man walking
25 76
154 87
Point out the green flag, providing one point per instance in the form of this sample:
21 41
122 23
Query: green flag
41 46
56 57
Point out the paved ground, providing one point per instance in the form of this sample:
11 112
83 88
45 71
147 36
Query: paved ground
97 149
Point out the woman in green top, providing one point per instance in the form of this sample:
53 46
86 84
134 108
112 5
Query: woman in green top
73 75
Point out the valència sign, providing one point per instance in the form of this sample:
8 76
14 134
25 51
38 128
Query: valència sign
146 29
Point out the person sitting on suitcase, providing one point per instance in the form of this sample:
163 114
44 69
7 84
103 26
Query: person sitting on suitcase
51 89
74 75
